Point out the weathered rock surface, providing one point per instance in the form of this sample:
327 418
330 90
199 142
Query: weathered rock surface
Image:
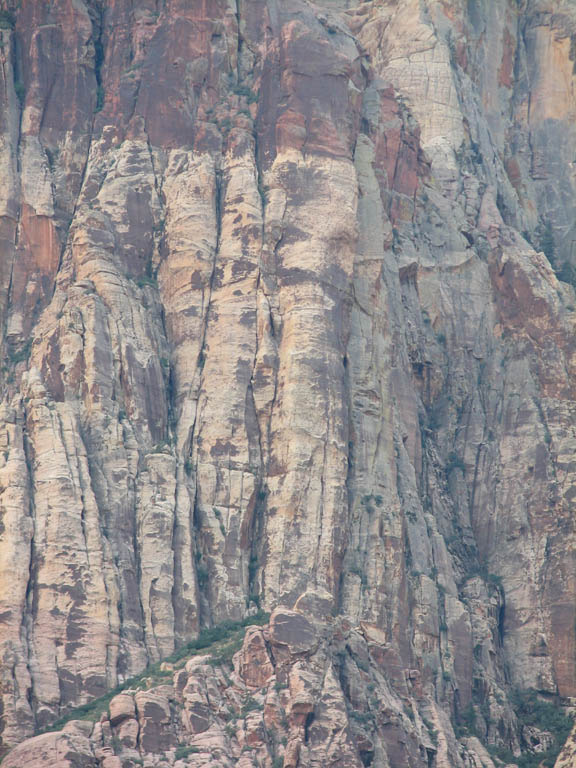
330 703
282 324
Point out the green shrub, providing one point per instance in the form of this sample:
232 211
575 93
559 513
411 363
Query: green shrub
367 500
245 90
183 752
20 355
252 568
202 574
364 718
435 418
502 753
250 705
454 462
567 274
466 721
142 282
100 95
547 244
7 20
531 710
241 90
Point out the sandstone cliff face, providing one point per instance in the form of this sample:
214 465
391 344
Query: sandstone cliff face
278 329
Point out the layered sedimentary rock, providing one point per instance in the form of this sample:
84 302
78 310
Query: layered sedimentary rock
282 317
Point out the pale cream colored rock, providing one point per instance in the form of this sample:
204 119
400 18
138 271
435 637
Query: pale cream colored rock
53 750
112 762
122 707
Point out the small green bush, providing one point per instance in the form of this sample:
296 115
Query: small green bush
262 191
183 752
250 705
252 568
202 574
454 462
466 722
567 274
547 244
20 355
245 90
142 282
7 20
100 95
435 418
502 753
364 718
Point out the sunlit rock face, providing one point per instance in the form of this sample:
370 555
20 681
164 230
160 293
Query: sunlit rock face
283 325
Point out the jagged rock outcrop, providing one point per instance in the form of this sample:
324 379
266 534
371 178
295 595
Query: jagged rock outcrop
283 325
299 692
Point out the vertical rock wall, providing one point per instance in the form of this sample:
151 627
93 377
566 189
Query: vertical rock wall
281 316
